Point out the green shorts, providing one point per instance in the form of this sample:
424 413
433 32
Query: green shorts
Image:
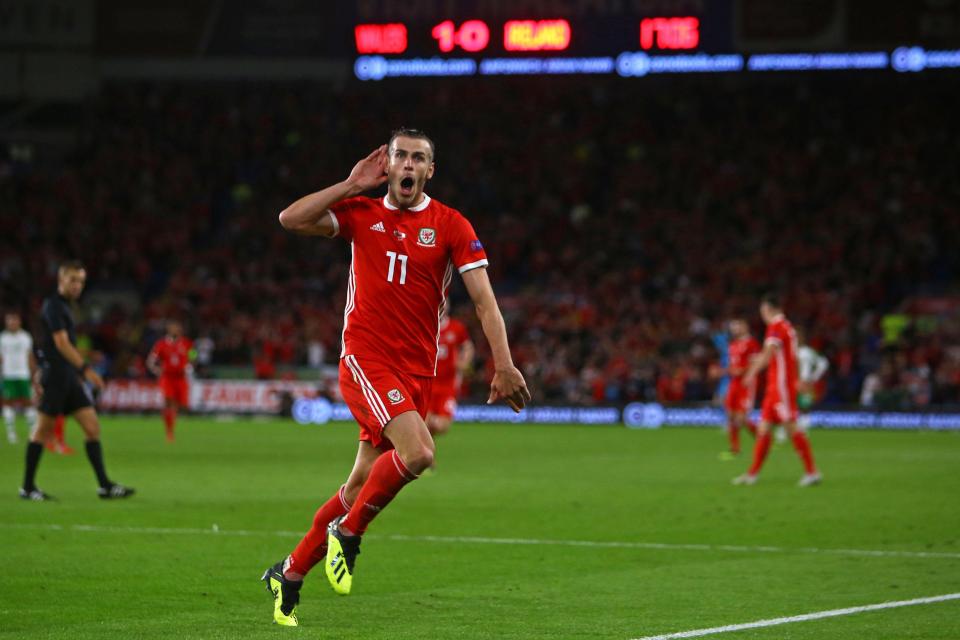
17 390
804 401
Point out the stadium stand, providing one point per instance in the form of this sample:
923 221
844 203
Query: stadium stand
624 223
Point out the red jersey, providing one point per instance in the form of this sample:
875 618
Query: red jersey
453 334
782 371
401 268
739 353
173 355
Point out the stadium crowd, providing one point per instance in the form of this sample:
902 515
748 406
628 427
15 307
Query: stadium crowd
625 223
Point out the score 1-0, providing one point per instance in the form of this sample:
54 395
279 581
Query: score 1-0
472 36
518 35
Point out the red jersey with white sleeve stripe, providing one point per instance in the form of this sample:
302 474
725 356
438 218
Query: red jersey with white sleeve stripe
453 335
782 370
401 269
173 356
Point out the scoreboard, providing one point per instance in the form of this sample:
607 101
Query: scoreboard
527 36
470 39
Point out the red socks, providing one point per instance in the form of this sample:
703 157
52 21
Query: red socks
734 431
313 548
387 476
802 444
760 450
169 419
752 428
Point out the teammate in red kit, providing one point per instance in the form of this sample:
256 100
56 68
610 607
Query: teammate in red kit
454 355
740 396
57 443
780 398
169 360
405 248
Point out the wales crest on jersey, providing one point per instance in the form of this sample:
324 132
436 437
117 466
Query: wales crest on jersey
427 237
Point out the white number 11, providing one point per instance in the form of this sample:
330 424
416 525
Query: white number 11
393 255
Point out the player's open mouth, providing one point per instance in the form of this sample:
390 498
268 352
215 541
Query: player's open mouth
406 186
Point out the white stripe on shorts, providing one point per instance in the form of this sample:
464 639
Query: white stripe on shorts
373 399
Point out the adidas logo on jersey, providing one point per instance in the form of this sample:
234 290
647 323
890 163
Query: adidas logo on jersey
378 227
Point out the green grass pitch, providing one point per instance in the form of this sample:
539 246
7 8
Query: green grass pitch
440 563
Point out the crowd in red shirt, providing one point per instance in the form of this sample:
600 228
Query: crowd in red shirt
624 221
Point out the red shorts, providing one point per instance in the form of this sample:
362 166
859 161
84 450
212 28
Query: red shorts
443 400
777 411
377 393
740 397
175 389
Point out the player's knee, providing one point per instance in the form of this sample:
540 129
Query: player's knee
42 430
438 425
91 431
419 459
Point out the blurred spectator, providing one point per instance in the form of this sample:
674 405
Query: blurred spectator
621 221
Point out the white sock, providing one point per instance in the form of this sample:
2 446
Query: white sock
31 415
10 417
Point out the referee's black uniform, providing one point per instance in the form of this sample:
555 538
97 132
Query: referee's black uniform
64 392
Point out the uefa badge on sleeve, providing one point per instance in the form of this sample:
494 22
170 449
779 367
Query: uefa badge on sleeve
427 237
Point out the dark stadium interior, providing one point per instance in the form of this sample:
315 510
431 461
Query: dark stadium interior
624 222
706 376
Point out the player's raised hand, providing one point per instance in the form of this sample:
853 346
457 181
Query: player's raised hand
371 172
509 385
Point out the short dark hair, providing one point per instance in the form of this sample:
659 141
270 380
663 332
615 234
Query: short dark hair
773 299
71 265
406 132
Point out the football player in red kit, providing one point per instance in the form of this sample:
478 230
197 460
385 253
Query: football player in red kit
740 396
779 357
404 250
169 360
454 355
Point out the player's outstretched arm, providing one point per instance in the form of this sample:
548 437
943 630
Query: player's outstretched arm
508 383
310 215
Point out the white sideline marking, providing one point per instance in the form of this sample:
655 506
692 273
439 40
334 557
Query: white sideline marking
596 544
817 615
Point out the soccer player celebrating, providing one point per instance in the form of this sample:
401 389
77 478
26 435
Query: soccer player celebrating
780 399
19 365
404 249
63 372
168 360
740 395
454 356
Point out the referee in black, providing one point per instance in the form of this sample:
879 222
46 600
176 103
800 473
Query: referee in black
62 374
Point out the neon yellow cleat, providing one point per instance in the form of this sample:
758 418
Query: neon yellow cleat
286 595
342 552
